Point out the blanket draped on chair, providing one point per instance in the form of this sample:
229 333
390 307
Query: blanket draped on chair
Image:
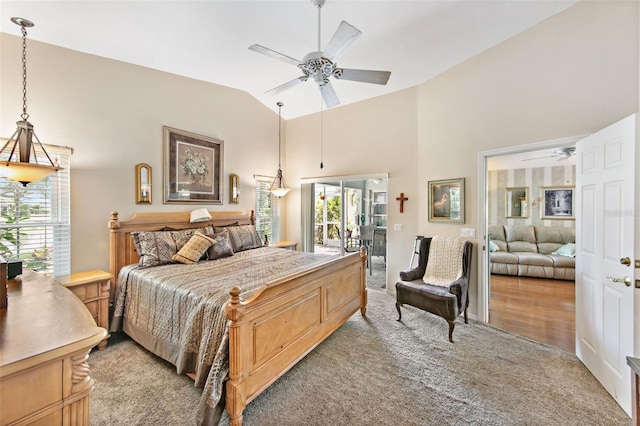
445 261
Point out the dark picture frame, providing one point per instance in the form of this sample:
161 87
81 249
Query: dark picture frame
192 167
446 200
558 202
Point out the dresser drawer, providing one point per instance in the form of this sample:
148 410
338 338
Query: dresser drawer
87 291
93 307
30 391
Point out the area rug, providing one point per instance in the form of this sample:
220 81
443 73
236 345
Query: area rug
376 371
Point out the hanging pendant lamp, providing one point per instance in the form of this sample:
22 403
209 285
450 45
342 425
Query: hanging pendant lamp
22 169
279 186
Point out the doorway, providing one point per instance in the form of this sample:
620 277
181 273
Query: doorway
528 303
345 213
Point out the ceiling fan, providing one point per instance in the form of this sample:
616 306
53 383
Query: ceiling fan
559 153
320 65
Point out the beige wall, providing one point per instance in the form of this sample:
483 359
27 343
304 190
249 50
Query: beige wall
111 113
572 74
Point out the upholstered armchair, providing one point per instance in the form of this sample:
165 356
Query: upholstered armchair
447 300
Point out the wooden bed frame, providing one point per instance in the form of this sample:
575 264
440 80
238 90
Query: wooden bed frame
284 319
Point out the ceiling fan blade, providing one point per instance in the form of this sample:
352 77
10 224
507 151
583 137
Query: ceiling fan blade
365 76
329 95
272 53
344 36
287 85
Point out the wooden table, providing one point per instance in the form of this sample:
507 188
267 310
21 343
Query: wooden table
634 363
46 334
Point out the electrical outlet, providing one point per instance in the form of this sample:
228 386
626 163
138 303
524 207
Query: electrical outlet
468 232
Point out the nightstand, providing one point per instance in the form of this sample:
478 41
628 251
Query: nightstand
92 288
291 245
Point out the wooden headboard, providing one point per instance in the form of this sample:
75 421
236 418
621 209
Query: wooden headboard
122 251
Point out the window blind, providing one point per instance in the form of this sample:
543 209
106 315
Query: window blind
35 220
267 210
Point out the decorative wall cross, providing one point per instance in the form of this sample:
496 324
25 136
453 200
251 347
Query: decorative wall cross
402 199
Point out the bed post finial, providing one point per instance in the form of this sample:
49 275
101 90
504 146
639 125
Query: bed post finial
114 222
252 217
235 311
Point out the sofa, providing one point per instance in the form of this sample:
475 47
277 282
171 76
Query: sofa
532 251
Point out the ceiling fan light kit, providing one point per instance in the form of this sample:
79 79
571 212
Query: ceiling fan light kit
320 65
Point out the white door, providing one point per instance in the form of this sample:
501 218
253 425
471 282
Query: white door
605 224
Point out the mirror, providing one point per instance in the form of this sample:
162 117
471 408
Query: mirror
515 202
234 188
143 183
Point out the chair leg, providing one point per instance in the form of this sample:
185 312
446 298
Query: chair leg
466 321
399 313
452 324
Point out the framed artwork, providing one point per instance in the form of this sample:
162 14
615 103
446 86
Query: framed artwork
446 200
192 167
557 202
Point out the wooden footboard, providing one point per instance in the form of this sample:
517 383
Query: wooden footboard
285 320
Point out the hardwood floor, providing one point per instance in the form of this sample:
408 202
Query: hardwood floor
539 309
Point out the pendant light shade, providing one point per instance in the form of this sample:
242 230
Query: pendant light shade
279 186
25 168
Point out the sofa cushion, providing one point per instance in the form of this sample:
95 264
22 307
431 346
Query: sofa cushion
521 238
496 233
536 259
563 261
550 238
503 257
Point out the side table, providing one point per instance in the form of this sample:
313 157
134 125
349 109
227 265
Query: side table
92 288
291 245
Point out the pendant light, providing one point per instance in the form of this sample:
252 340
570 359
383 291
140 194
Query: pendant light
279 186
23 170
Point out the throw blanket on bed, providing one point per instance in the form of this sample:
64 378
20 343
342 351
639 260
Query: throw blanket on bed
178 311
445 261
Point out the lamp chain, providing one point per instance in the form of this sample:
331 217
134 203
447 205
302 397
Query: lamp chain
279 134
24 114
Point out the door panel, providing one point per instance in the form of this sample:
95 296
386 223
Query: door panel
604 308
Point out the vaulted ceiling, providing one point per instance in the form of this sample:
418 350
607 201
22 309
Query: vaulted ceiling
209 40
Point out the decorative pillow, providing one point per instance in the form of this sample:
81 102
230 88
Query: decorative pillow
493 247
221 248
568 249
244 237
191 252
158 247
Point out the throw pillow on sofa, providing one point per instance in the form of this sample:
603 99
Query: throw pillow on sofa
568 249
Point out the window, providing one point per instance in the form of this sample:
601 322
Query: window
35 220
267 210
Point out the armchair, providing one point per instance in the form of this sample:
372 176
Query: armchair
446 301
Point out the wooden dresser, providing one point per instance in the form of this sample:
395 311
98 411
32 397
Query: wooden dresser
92 288
46 334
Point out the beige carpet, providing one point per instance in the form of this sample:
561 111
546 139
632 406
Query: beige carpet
377 371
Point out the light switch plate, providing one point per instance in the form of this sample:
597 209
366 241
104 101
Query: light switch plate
397 227
468 232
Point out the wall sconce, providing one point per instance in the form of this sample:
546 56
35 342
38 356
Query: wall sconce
143 183
234 188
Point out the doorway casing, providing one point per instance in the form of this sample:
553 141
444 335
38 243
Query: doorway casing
483 263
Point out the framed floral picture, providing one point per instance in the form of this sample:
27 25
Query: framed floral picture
192 167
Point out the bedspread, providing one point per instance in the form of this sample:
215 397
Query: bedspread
178 311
